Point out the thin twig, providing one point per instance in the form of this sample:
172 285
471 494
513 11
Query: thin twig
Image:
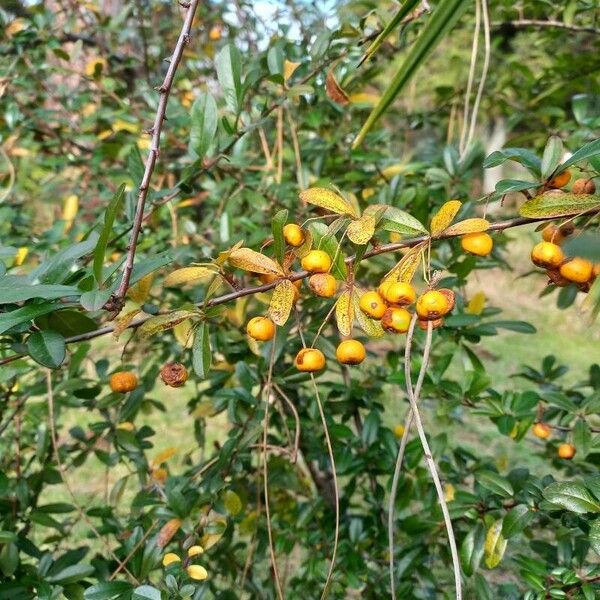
124 562
291 406
165 90
525 23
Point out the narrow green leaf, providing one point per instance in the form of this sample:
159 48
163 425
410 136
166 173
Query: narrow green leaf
204 123
47 348
201 352
521 155
595 536
108 590
516 520
587 151
228 63
443 19
279 220
495 483
22 315
571 496
146 592
109 218
10 292
552 154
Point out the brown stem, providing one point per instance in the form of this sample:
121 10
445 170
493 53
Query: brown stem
525 23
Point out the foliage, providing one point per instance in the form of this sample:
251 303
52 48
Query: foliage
96 491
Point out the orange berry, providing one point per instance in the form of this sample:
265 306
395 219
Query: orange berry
479 244
541 430
123 382
547 255
293 235
316 261
450 296
323 284
351 352
560 180
261 329
215 33
310 360
396 320
552 233
578 270
400 294
584 186
596 270
372 304
384 286
432 305
567 451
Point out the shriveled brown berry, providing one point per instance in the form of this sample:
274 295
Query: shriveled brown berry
556 278
174 374
584 186
435 324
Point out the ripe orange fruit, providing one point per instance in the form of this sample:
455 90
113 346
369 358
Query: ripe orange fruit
400 294
293 235
123 382
578 270
547 255
541 430
450 296
261 329
432 305
215 33
323 284
560 180
479 244
351 352
584 186
567 451
396 320
596 270
316 261
372 304
310 360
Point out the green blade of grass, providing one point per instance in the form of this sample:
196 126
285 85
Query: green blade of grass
441 22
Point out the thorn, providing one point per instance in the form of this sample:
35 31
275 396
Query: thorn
149 131
186 38
161 88
184 4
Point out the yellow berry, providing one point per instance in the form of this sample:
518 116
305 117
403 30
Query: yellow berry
541 430
432 305
261 329
293 235
316 261
310 360
372 304
479 244
578 270
351 352
399 430
547 255
400 294
396 320
567 451
323 284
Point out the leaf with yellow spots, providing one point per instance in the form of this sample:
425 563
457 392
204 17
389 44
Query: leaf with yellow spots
123 322
405 270
160 323
187 275
371 327
184 333
361 230
344 313
168 530
442 219
225 254
476 304
213 532
495 545
282 301
255 262
475 225
141 290
289 68
328 200
164 456
70 208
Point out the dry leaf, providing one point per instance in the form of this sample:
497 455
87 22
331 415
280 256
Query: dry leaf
361 230
328 200
168 530
442 219
141 290
334 90
123 322
163 322
288 69
344 313
467 226
187 274
282 302
255 262
405 270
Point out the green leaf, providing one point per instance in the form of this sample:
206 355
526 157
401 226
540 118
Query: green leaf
558 204
109 217
108 590
7 536
571 496
552 154
201 352
495 483
471 550
516 520
228 63
585 244
393 23
232 503
71 574
505 186
524 157
495 545
67 322
146 592
279 220
518 326
95 299
22 315
394 219
204 123
57 268
11 291
443 19
47 348
595 536
587 151
582 437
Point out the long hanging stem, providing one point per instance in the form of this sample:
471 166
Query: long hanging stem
412 398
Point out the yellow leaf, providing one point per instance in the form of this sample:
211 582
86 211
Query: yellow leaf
224 256
164 456
104 134
163 322
15 27
250 260
141 290
476 304
364 98
334 89
92 64
393 170
361 230
70 208
371 327
232 503
344 313
126 426
449 492
213 532
495 545
169 558
367 193
405 270
328 200
204 409
183 333
123 322
467 226
442 219
289 68
197 572
121 125
168 530
186 275
282 301
20 256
